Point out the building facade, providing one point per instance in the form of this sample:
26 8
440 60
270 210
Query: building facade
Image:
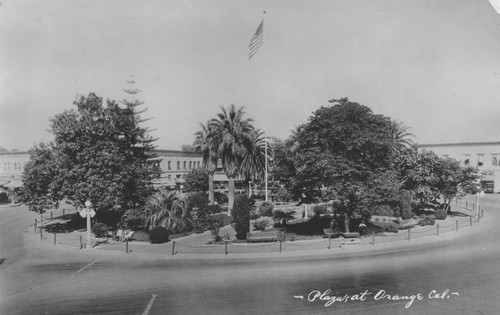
483 155
12 165
175 166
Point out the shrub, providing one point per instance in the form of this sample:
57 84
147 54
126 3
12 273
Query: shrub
158 235
314 226
319 209
133 219
391 228
440 214
382 210
196 200
283 217
266 209
254 213
262 223
283 195
430 220
100 230
212 209
214 230
422 222
201 217
220 197
241 215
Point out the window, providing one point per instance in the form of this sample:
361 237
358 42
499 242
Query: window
169 165
198 164
178 165
190 165
480 159
184 164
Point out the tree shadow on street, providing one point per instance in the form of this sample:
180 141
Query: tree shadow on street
66 224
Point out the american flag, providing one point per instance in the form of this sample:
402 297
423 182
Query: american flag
496 5
257 40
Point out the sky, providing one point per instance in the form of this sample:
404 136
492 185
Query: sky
434 65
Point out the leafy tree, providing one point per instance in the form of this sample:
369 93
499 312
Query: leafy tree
452 180
429 176
343 151
101 154
40 193
416 172
283 166
197 180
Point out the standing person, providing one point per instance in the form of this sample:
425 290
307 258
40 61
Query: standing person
362 228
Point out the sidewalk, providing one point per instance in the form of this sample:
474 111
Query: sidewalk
197 245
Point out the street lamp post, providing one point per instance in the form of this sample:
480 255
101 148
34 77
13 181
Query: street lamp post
88 204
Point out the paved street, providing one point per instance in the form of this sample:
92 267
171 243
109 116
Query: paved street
456 273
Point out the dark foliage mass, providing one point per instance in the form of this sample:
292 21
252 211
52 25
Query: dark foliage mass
314 226
159 235
241 215
100 230
440 214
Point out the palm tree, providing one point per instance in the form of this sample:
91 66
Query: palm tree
205 142
233 135
164 209
254 160
400 134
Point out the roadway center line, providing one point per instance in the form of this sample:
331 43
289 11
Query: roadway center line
146 311
87 266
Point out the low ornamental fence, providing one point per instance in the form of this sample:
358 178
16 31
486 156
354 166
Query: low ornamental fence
281 245
326 243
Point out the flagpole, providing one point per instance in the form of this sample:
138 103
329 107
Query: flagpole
265 173
255 43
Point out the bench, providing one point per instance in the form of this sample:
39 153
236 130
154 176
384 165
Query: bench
330 233
264 236
350 235
349 242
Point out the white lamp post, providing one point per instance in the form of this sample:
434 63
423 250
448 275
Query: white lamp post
88 204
